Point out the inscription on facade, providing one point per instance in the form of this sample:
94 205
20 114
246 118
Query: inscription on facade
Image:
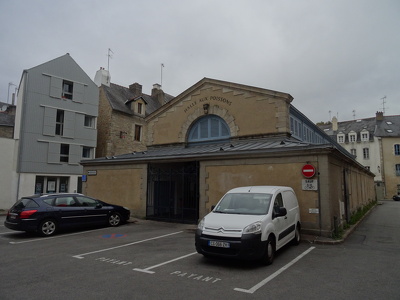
207 99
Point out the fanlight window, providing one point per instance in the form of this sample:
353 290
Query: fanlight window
209 128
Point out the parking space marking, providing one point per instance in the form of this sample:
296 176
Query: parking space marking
272 276
80 256
53 237
147 270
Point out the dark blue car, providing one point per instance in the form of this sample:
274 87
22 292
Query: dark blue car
46 214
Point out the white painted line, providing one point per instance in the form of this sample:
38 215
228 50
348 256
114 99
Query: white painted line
80 256
7 232
53 237
164 263
272 276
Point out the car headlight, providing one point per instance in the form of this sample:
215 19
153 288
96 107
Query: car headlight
253 228
200 226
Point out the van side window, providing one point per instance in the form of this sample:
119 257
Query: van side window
278 203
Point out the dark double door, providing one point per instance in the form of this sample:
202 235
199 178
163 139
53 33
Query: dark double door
173 192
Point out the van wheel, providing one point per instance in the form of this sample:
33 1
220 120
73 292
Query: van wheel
269 252
297 236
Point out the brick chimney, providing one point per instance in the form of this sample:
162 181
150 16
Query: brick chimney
136 89
379 116
158 93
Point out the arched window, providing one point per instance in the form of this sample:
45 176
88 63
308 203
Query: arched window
209 128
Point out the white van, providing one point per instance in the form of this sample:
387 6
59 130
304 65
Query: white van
250 223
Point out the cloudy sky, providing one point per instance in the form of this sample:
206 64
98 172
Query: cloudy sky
336 58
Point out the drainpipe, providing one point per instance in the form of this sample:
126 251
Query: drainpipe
319 200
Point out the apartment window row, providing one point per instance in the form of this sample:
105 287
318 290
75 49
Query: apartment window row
66 89
68 153
63 122
352 137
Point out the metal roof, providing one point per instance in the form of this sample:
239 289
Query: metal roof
218 149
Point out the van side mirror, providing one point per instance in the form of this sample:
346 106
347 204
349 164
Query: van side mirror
280 213
212 207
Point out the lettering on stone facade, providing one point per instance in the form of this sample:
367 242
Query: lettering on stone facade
208 99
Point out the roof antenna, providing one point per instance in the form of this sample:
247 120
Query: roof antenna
383 104
162 66
109 55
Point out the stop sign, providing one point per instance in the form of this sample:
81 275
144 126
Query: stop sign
308 171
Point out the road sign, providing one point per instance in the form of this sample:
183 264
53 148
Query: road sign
308 171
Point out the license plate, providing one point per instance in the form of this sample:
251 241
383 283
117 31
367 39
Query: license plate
219 244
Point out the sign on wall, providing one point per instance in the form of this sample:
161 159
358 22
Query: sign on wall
310 184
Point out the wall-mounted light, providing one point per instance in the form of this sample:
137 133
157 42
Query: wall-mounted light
122 134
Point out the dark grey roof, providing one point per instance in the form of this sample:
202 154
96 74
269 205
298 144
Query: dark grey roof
7 119
388 127
118 96
223 148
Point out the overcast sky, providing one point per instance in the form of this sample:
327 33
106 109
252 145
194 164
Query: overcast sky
333 57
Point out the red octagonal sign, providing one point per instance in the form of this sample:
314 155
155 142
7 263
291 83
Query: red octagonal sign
308 171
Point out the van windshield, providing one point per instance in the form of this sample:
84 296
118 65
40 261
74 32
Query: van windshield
244 203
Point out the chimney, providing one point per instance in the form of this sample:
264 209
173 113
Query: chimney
102 77
334 124
136 89
379 116
158 93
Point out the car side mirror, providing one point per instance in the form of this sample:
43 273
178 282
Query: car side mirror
98 205
281 212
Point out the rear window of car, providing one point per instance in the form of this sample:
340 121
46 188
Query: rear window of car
25 203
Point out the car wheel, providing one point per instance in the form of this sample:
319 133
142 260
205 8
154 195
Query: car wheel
297 236
47 227
114 219
269 252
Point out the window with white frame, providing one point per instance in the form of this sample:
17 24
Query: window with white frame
366 153
365 136
340 138
89 121
87 152
353 152
397 149
352 137
67 89
60 122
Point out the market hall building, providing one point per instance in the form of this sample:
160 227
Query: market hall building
219 135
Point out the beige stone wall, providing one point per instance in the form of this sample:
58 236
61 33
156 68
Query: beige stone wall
124 185
247 113
221 176
389 168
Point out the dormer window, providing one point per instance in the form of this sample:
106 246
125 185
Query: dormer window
140 108
365 136
352 137
340 138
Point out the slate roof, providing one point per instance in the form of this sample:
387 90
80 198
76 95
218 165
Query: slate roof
223 148
118 95
388 127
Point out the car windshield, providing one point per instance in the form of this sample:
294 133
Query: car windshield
244 203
